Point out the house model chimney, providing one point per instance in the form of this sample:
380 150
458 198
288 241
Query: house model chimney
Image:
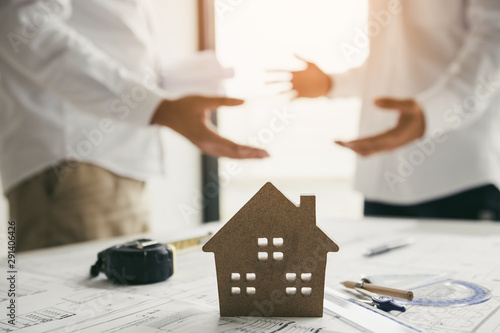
308 202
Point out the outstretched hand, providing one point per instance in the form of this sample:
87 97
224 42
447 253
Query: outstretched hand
310 82
410 126
189 117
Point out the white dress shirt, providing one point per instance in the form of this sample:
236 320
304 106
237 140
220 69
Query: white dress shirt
446 55
78 82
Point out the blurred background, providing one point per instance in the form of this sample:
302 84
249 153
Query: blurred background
252 37
260 35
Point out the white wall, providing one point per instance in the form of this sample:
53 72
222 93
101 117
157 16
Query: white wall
304 158
178 192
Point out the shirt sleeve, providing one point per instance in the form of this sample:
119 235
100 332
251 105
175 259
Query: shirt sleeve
37 42
347 84
472 79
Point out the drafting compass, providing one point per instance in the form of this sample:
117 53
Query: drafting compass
384 303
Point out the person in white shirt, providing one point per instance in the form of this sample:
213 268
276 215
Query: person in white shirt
81 117
430 118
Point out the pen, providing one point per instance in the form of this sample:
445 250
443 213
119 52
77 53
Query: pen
388 247
398 293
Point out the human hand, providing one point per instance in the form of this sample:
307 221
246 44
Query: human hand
410 126
310 82
188 116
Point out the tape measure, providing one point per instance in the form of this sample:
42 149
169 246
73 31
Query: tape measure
141 261
138 262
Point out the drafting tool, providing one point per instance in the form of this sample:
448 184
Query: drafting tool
366 285
140 261
451 293
388 247
437 290
384 303
367 318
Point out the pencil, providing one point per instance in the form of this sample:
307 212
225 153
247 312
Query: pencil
398 293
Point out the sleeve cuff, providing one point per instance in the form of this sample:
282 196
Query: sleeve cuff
344 85
143 104
439 110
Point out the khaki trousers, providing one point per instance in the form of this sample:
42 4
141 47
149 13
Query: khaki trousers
76 202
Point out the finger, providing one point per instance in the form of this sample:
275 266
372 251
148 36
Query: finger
371 145
286 92
271 71
357 148
221 147
279 76
295 95
281 88
374 144
302 59
277 82
352 147
214 102
393 103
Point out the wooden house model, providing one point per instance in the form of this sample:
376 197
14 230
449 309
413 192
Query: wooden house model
271 258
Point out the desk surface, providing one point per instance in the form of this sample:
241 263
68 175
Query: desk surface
55 294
